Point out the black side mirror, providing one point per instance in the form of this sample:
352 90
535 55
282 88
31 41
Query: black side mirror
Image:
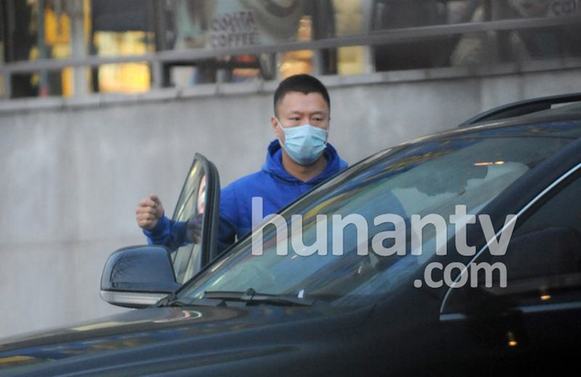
138 276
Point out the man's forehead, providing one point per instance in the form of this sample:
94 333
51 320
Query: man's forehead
299 101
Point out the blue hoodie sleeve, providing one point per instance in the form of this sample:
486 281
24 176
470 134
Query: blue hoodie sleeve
171 234
168 233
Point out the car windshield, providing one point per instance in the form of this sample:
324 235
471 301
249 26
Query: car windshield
427 177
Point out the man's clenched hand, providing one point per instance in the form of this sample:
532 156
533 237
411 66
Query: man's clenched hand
148 212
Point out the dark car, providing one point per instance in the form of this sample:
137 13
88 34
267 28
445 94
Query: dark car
459 254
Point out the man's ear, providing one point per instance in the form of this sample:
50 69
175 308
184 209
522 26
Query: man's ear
278 133
273 122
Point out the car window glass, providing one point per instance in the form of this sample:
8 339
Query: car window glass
543 258
430 177
547 245
190 209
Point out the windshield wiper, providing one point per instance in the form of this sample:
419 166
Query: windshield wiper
250 296
170 300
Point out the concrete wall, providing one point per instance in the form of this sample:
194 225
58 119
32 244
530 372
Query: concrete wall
73 171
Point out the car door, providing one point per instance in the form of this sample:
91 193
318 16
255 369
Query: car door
532 326
196 218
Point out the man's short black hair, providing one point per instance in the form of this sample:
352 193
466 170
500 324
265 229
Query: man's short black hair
300 83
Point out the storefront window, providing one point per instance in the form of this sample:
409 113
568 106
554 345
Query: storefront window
127 77
397 14
219 24
541 43
21 40
74 29
57 30
122 28
350 19
3 32
480 48
223 24
301 61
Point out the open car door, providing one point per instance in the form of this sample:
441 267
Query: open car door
196 214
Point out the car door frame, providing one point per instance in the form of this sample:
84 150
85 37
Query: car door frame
210 223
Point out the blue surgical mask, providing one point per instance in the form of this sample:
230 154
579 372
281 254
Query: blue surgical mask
304 144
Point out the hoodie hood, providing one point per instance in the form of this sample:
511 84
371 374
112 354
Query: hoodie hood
273 164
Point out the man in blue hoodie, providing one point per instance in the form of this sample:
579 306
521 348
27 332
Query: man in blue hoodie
297 160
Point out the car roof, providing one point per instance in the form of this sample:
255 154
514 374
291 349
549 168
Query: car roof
559 107
565 124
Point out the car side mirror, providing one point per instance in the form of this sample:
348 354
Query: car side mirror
138 276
